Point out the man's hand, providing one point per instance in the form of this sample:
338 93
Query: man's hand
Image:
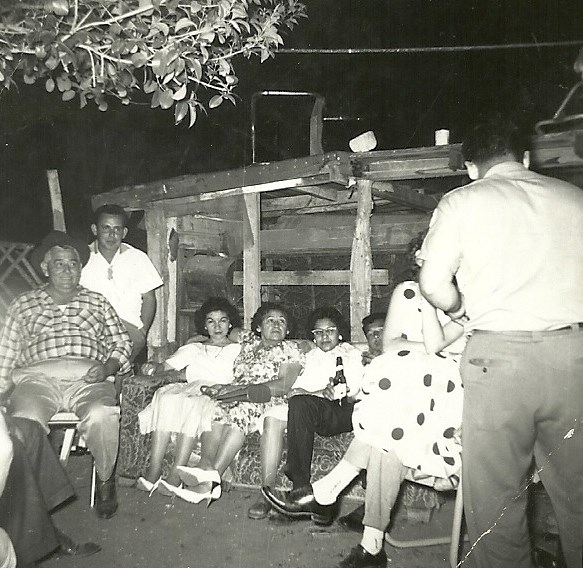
328 392
151 368
96 374
6 387
367 357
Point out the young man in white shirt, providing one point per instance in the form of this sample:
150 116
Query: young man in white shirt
123 274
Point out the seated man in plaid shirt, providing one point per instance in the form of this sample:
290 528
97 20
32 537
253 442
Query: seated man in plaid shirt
58 346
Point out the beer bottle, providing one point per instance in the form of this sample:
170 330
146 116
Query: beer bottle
339 382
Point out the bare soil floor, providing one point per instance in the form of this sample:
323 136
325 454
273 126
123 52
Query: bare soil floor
159 531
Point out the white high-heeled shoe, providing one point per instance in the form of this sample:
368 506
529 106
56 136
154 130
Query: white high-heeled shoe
193 497
196 475
144 485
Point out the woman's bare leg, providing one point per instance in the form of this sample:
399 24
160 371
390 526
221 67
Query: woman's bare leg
184 447
271 449
231 442
160 440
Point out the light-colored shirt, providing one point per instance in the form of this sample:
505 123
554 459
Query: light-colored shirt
514 239
123 281
321 366
36 329
208 363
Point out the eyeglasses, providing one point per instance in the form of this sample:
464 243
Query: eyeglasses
324 331
111 230
376 333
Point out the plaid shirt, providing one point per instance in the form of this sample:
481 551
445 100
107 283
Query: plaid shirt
37 329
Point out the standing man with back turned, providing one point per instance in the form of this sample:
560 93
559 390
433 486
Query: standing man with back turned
123 274
513 239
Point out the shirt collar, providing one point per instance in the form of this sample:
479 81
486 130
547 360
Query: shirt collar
95 249
505 168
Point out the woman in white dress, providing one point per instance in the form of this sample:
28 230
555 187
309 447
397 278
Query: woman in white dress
182 409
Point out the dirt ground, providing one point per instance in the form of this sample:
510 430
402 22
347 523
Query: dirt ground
160 531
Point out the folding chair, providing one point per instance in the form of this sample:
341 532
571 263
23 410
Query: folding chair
453 539
68 421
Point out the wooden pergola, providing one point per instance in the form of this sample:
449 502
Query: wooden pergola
328 197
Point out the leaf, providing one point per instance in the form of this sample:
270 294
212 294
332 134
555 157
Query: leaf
139 59
195 7
182 24
166 100
180 93
58 7
29 79
68 95
49 85
52 63
192 110
215 101
159 63
150 86
196 67
103 106
180 112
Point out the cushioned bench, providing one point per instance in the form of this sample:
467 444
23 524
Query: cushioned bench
138 391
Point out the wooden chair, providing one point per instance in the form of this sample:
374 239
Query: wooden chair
68 421
453 539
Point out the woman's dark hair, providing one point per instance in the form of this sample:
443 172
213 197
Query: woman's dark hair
216 304
332 314
412 272
261 312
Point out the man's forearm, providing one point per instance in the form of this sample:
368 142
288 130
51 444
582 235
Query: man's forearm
112 366
148 310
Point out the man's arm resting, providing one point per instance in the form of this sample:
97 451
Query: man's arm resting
436 283
148 310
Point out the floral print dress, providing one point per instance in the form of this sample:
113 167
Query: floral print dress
256 364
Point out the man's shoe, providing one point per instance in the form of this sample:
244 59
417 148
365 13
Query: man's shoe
68 547
259 510
353 521
360 558
105 498
300 503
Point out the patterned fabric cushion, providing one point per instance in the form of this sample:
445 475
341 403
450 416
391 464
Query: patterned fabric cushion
137 393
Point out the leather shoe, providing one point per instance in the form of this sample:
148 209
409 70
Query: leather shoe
259 510
353 521
360 558
106 498
300 503
68 547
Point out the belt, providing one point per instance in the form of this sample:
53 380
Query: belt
572 326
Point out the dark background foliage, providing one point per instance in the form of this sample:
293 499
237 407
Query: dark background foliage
403 97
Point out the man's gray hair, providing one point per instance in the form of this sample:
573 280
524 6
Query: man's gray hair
49 254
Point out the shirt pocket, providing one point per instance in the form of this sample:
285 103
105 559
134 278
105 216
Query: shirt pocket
41 323
86 320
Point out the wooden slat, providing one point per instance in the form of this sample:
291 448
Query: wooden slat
251 259
326 192
311 278
404 196
361 262
56 201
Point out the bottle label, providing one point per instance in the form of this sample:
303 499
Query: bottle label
340 391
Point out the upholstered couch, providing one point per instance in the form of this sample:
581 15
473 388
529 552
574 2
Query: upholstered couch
138 391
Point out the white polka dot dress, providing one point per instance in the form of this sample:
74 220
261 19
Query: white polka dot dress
411 402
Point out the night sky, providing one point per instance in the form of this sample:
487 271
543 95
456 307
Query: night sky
403 97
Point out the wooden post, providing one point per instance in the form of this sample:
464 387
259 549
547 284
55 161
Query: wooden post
158 253
56 201
361 262
251 258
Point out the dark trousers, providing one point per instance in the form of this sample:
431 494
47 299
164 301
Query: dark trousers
309 415
36 484
523 399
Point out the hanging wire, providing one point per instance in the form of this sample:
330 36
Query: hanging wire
434 49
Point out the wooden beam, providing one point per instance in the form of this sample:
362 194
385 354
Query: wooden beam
137 196
361 262
158 253
404 196
311 278
325 192
386 235
316 126
56 201
251 259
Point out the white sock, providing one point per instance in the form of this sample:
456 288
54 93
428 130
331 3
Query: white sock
372 540
327 489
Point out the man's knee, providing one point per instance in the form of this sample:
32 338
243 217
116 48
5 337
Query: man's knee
99 415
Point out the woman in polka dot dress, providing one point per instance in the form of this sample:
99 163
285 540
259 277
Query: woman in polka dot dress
406 421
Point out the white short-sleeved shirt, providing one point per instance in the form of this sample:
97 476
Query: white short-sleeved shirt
514 239
208 363
321 366
123 281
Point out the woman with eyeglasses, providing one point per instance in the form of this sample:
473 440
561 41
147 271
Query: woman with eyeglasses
264 370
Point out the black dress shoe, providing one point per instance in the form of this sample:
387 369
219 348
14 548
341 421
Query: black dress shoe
360 558
106 498
68 547
300 504
353 521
